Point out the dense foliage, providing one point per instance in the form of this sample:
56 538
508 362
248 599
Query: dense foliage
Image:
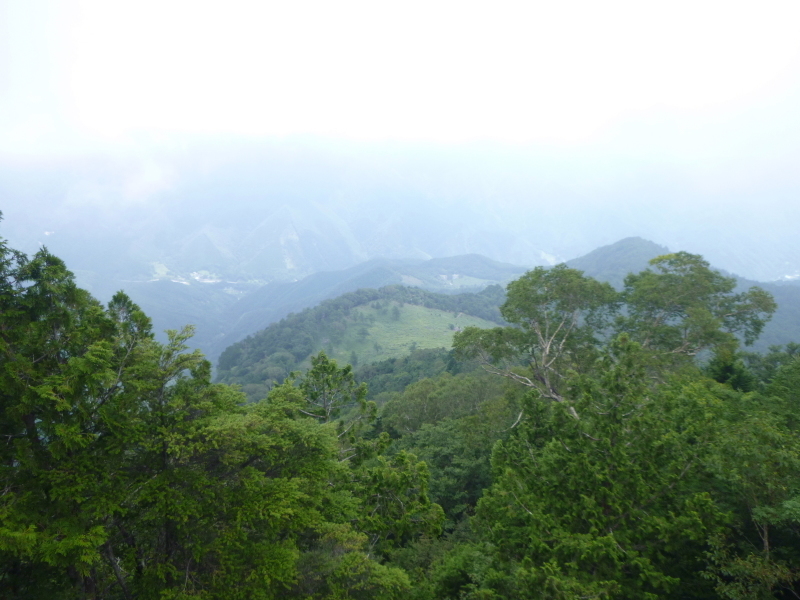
616 445
127 474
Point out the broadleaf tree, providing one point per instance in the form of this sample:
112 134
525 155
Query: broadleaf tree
557 318
681 306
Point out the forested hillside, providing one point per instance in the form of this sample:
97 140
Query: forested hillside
571 445
369 326
265 305
360 327
225 310
127 474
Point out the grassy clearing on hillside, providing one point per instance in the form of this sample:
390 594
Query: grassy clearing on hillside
389 330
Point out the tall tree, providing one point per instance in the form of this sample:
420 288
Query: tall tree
393 492
329 389
681 306
756 467
557 319
560 318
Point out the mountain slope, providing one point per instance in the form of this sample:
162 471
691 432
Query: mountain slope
371 325
613 262
224 312
359 327
265 305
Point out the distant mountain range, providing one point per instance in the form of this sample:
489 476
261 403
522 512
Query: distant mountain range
613 263
254 212
229 281
231 234
226 312
382 321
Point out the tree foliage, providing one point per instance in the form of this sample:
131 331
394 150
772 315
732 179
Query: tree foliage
623 467
557 317
127 474
682 306
602 507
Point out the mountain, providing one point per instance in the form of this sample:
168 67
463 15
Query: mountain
282 209
224 312
269 303
371 325
612 263
785 324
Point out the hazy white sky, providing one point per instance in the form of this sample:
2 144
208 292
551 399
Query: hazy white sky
565 73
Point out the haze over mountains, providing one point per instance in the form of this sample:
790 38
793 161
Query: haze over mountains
202 279
231 235
261 211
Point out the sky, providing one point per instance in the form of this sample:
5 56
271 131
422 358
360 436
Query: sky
81 73
615 104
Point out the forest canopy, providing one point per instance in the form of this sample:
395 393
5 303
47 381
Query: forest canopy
596 444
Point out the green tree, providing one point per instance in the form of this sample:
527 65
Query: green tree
395 506
127 474
328 389
765 366
557 319
680 307
756 468
332 395
64 409
727 367
431 400
392 492
606 506
560 318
